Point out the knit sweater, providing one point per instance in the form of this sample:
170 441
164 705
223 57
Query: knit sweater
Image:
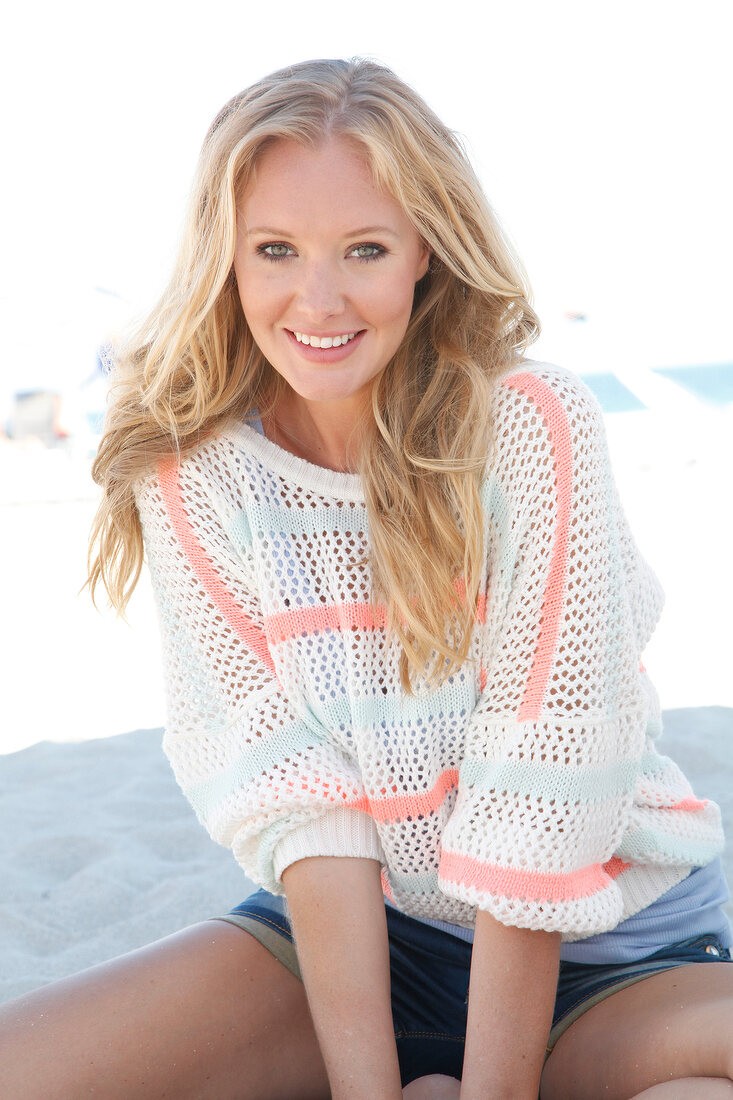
528 784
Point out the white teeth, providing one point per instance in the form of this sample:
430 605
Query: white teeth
324 341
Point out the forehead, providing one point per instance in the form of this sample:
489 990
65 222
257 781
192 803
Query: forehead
326 185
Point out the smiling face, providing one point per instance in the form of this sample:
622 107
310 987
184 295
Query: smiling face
326 266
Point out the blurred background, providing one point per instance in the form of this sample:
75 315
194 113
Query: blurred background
602 135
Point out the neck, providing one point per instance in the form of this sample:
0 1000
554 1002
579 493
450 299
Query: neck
320 432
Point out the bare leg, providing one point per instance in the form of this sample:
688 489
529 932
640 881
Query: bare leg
692 1088
649 1040
208 1012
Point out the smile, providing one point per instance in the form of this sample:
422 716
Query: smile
324 341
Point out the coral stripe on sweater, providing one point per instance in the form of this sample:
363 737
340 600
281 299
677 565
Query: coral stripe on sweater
200 562
561 443
404 807
536 886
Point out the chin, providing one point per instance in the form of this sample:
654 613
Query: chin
329 393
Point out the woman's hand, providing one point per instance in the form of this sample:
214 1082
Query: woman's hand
436 1086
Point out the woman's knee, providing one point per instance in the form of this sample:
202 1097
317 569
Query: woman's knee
435 1086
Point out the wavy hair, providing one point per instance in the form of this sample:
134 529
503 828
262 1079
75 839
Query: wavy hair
192 365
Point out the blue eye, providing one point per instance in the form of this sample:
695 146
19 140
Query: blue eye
367 252
275 251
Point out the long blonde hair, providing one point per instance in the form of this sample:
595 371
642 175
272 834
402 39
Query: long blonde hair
193 365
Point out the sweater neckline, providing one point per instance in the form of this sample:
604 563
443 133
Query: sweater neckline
332 483
319 479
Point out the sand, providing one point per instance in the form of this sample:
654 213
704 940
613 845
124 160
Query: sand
106 856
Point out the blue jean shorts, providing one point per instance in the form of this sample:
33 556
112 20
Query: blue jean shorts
430 972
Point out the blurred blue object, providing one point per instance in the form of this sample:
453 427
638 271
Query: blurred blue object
712 382
613 395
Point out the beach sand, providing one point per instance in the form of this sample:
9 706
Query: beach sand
106 856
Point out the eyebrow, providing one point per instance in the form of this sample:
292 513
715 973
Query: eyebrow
364 232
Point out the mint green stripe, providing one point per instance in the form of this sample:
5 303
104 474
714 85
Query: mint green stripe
652 762
240 531
263 754
446 702
424 882
394 710
639 844
492 496
309 521
335 713
561 783
270 517
497 512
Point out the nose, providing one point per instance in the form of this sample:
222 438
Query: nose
320 293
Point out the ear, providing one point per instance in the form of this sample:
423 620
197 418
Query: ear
423 263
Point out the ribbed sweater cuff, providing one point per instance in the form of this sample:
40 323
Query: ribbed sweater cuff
338 832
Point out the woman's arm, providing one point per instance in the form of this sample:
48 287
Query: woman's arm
264 776
556 743
337 911
511 998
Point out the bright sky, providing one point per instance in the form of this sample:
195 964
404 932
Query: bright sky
601 132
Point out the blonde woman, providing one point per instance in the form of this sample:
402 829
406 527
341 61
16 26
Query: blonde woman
403 620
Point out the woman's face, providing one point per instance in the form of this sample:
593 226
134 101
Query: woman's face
326 267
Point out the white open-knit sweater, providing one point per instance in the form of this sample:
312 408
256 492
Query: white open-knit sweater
527 785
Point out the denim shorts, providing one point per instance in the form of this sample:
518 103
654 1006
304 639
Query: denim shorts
430 972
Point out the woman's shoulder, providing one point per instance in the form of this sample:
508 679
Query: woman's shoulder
540 406
210 466
547 386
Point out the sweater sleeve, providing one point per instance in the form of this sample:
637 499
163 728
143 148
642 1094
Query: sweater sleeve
258 768
556 742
